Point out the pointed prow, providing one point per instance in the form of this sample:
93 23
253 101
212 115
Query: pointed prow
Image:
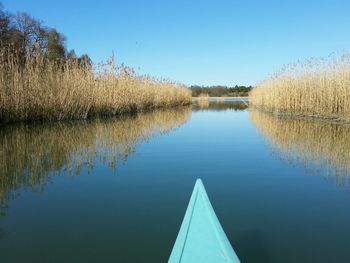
201 237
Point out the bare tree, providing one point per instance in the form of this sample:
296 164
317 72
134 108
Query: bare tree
33 32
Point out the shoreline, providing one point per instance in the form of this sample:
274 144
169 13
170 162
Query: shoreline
95 115
218 98
310 117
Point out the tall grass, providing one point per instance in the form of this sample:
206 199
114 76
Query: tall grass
317 87
39 89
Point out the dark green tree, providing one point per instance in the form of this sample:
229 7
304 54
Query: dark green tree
85 61
55 49
71 56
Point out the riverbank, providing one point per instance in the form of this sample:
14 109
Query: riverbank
219 98
317 88
42 90
306 117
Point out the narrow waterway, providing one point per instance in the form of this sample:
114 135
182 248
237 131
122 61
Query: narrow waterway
116 190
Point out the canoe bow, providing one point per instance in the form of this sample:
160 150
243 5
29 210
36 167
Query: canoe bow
201 238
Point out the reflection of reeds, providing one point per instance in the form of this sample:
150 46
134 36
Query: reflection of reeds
316 144
28 154
202 104
219 105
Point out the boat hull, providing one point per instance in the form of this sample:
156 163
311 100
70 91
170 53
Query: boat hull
201 237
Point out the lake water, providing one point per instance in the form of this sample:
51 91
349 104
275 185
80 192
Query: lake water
116 190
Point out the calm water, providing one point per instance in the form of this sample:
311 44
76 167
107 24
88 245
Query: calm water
117 190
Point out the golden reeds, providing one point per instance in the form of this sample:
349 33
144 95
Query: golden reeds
39 89
318 145
29 154
317 87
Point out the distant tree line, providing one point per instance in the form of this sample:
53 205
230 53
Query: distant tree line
22 35
221 91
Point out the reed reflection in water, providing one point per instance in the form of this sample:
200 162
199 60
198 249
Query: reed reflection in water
30 154
218 105
318 145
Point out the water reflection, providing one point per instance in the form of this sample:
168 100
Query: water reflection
318 145
218 105
29 154
2 233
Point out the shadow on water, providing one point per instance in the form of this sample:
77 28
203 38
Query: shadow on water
219 105
252 241
318 145
30 154
2 233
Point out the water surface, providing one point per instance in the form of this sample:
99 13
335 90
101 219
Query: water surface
116 190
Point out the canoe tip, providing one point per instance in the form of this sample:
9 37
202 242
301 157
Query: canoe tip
199 181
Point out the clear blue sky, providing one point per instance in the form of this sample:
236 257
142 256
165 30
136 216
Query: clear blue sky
198 42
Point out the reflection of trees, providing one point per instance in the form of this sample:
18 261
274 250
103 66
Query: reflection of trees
316 144
218 105
30 153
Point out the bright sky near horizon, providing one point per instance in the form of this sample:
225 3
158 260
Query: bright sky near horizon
198 42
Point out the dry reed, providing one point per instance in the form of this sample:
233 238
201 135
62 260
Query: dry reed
42 90
317 88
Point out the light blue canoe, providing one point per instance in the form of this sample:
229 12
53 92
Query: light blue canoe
201 238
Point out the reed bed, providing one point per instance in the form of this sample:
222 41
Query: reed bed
317 88
39 89
318 145
31 154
